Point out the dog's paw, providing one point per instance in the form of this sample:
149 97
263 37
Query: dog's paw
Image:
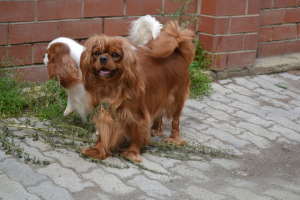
68 111
132 155
174 141
155 132
95 153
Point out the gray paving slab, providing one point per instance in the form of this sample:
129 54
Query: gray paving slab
251 115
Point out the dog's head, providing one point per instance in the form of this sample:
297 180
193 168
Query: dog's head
109 60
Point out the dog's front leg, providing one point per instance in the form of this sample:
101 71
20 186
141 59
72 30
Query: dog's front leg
140 136
97 152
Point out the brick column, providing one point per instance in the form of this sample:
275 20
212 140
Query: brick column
229 30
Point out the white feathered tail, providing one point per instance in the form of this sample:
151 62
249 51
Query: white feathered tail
144 29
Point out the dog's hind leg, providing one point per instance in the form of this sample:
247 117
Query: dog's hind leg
175 134
156 129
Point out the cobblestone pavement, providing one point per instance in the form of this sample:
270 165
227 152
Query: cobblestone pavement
258 118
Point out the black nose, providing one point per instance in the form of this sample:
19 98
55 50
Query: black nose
103 59
44 56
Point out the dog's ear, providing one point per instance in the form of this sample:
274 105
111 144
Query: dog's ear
86 62
130 75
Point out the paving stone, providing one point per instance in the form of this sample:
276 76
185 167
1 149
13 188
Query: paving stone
258 130
241 90
221 106
266 85
290 76
199 165
249 108
243 194
65 177
108 182
281 112
165 162
224 136
194 174
38 144
3 155
202 194
21 172
49 191
283 121
225 81
224 126
252 118
227 164
218 88
276 103
286 132
245 83
218 114
151 187
256 140
244 99
10 189
71 160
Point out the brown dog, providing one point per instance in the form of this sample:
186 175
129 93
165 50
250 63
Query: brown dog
143 83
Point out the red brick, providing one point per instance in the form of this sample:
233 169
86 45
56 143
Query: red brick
270 49
244 24
39 49
213 25
117 26
242 59
265 34
298 30
171 6
36 74
254 6
4 34
17 11
291 46
265 4
219 61
18 55
292 15
223 7
47 10
142 7
80 29
269 17
222 43
250 42
96 8
33 32
285 3
284 32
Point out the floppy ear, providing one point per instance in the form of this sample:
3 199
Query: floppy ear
130 76
86 63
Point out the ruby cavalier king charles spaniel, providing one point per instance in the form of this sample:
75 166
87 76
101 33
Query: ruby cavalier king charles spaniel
141 83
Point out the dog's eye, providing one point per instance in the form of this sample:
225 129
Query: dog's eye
97 53
115 55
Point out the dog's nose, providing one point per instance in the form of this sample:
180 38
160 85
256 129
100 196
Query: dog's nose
44 56
103 59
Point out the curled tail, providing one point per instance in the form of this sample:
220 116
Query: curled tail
172 38
144 29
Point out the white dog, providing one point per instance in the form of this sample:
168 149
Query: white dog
64 61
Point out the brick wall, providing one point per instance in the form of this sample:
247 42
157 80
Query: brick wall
279 28
236 32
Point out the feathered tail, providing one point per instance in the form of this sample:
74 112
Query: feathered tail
172 38
144 29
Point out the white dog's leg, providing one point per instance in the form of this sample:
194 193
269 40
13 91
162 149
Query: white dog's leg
69 109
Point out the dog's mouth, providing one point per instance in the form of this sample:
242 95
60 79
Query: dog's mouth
106 72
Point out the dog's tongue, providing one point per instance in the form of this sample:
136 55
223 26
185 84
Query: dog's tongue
104 71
